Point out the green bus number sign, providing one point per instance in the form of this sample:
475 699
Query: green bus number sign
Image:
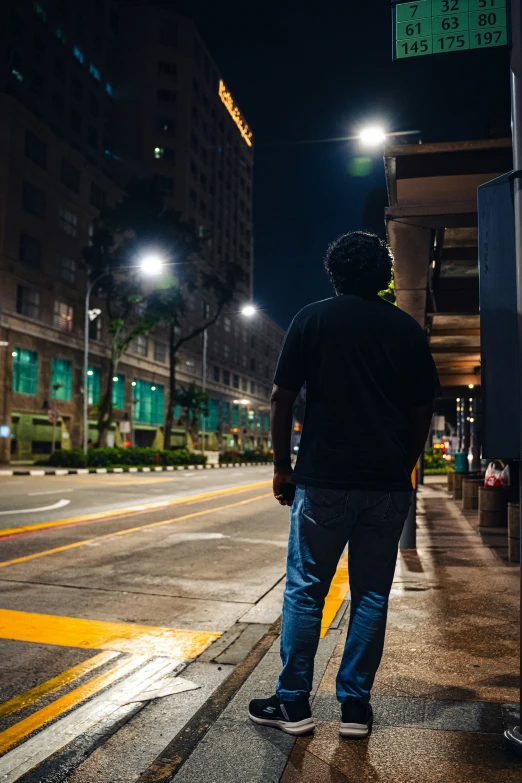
440 26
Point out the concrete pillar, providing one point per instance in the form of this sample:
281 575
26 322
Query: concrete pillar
411 247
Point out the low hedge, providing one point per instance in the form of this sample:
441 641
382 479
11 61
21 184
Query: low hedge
251 457
132 457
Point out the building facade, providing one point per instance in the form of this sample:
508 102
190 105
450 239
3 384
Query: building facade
66 91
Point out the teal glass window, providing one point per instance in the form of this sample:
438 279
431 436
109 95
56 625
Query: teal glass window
93 385
25 371
212 419
150 402
225 413
235 415
61 379
177 413
244 414
118 391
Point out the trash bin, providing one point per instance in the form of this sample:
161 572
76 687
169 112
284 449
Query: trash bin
461 462
470 490
493 506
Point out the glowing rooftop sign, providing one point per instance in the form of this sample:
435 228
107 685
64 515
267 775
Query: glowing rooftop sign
235 113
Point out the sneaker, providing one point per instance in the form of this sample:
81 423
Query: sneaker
293 717
357 719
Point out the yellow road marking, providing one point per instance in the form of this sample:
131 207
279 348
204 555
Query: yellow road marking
20 730
125 532
336 595
147 640
118 512
33 695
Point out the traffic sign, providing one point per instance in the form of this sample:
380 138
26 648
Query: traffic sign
441 26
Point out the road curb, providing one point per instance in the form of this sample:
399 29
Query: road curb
169 761
83 471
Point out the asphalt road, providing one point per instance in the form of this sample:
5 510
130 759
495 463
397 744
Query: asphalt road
30 499
135 581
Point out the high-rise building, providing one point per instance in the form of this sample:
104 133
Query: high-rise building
78 118
187 131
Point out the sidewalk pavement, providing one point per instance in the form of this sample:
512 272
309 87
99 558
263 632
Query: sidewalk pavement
444 694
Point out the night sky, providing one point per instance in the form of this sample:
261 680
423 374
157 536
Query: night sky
320 70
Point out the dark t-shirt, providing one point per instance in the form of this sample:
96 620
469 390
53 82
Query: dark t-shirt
365 364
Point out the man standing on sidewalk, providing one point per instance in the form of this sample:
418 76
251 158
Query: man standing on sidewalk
370 385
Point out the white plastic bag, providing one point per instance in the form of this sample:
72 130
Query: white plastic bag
497 478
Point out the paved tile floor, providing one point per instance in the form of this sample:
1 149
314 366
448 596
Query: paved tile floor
444 693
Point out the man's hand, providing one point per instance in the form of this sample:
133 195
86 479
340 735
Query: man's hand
281 477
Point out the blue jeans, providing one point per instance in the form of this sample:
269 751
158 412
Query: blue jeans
322 522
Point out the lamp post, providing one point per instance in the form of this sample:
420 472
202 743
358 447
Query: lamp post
150 265
376 135
247 311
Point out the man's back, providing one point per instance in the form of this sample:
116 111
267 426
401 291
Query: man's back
366 364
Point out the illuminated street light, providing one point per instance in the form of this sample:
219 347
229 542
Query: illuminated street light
372 136
248 311
151 265
241 402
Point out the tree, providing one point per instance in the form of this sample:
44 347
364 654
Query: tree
168 306
194 404
123 235
141 223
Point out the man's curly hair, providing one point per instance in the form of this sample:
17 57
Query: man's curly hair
359 263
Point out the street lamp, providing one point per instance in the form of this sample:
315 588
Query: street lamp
376 135
372 136
150 265
247 311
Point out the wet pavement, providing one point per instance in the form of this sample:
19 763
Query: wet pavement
443 696
99 613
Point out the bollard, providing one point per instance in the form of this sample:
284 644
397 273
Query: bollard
451 479
409 533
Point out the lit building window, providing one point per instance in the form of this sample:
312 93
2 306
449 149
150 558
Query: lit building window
149 402
109 89
95 72
61 35
17 75
61 379
118 392
77 52
25 371
159 152
93 386
62 316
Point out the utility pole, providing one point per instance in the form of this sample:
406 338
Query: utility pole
204 387
514 737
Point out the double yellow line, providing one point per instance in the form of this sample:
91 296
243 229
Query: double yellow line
146 508
127 531
23 728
